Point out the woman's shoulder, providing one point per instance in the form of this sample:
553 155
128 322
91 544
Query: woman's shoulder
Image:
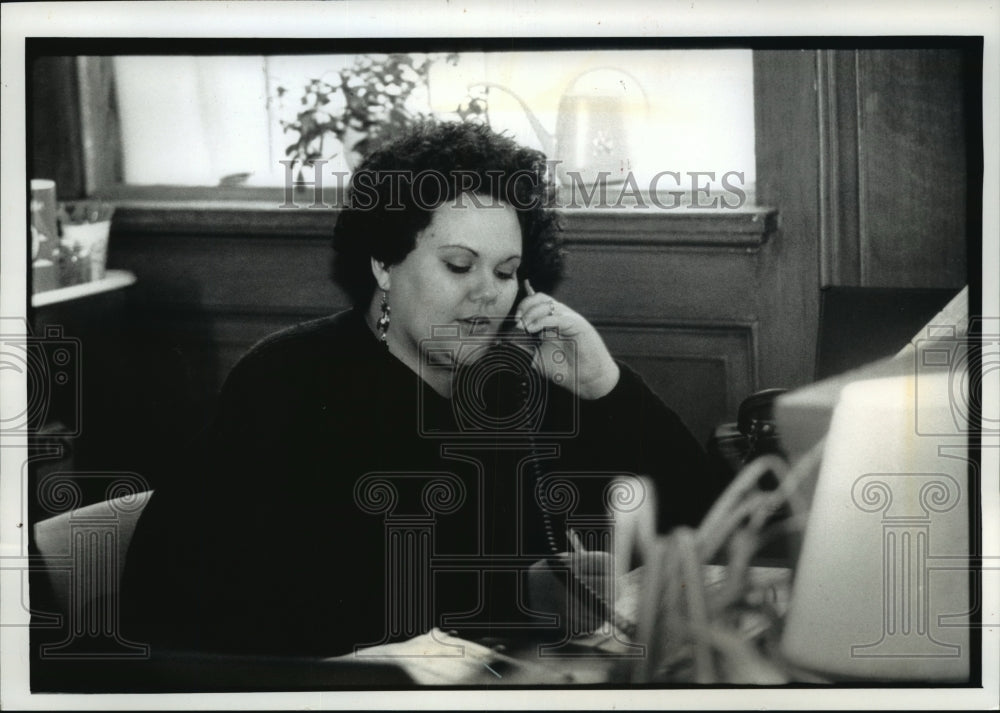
300 349
336 332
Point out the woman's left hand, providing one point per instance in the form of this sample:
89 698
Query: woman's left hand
592 371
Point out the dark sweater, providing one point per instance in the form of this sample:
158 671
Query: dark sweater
272 536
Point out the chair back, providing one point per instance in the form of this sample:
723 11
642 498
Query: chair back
87 541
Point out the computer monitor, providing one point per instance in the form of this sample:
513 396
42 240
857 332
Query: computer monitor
882 583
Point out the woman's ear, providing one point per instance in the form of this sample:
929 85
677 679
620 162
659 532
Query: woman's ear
381 273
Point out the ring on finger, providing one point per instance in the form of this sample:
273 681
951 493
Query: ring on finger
552 308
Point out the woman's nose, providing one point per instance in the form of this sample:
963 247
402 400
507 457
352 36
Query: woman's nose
486 290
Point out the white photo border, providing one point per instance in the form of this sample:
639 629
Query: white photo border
517 18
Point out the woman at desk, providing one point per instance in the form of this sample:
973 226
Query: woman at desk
441 403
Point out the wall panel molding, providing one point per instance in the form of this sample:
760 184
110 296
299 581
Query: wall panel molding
893 128
839 194
735 341
721 356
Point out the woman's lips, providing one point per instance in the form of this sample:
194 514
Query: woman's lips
478 324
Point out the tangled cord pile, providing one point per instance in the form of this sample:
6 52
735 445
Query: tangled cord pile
728 632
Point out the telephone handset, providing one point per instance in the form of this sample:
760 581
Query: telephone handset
563 544
756 422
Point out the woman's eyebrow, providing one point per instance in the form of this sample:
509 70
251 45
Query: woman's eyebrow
462 247
515 256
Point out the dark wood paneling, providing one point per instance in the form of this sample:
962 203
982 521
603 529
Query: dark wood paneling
913 168
694 388
608 281
702 370
222 273
863 153
893 174
786 124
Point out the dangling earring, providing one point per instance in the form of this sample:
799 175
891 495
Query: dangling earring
383 321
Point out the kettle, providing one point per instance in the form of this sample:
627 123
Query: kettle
599 114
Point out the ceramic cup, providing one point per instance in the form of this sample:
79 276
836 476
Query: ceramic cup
91 239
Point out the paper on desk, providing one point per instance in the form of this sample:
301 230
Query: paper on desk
437 658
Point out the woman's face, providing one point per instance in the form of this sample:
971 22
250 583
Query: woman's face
461 273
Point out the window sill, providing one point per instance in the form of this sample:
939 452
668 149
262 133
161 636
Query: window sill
261 215
748 227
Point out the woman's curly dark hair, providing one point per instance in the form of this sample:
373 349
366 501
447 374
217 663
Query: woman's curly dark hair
391 197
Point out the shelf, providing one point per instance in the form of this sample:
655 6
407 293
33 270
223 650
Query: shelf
113 280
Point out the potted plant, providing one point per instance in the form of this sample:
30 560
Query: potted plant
362 106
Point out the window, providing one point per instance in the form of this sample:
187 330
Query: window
211 120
